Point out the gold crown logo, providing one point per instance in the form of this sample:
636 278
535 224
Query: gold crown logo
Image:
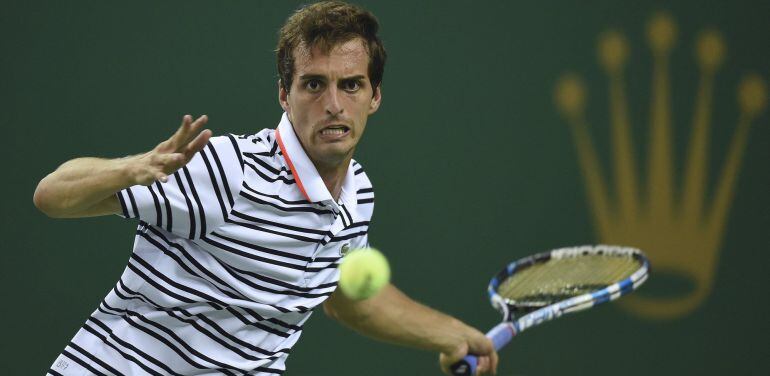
679 229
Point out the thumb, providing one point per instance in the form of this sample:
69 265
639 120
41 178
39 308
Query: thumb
480 344
447 359
483 347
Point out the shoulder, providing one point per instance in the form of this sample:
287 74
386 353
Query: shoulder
243 143
258 145
228 154
223 152
364 186
246 146
261 141
261 151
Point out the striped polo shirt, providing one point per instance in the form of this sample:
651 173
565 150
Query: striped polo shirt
231 256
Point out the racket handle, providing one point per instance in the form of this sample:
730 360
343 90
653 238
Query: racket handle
500 336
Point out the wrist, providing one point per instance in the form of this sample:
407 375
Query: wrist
127 169
459 338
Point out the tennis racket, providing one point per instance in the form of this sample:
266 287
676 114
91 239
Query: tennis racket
546 285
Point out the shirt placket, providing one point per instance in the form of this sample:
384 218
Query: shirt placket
336 225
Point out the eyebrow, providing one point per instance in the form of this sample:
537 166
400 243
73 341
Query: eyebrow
306 77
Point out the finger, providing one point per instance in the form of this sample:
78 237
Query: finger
443 363
193 131
493 362
173 142
483 365
187 131
181 132
446 359
444 369
481 345
479 366
197 144
168 163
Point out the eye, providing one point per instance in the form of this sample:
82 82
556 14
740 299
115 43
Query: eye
313 86
351 86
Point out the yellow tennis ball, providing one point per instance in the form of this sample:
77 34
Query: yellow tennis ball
363 273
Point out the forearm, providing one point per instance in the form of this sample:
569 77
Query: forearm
86 186
80 184
393 317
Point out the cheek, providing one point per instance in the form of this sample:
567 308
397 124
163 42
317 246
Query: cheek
361 105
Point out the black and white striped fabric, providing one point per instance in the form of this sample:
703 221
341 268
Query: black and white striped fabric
231 256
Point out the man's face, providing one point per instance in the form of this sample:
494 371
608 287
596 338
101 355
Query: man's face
329 100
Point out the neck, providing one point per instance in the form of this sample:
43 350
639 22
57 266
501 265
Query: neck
333 176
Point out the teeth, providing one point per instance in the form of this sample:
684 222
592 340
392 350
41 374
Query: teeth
333 131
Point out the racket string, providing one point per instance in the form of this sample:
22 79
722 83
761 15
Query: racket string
558 279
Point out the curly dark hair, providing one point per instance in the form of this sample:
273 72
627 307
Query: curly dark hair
325 25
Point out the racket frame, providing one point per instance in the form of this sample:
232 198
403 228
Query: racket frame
502 333
577 303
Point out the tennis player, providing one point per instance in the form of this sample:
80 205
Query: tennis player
239 237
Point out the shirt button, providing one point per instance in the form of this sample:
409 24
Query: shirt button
345 248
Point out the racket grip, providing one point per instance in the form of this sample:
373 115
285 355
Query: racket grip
500 336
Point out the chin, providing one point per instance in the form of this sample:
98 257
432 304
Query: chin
334 154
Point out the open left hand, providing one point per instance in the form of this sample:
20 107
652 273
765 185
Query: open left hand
169 155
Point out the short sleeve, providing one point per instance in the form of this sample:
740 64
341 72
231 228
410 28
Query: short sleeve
197 198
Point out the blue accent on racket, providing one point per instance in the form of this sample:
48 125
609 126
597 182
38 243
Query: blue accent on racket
547 285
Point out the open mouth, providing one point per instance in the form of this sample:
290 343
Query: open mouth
334 131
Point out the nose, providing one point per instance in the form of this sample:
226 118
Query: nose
333 105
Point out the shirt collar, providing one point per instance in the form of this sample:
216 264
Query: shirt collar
305 174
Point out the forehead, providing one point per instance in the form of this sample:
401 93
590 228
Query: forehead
342 60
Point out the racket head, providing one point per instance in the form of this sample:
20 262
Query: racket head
567 280
546 285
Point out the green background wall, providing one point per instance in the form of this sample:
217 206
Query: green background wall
473 165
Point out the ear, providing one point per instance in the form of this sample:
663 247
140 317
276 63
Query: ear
376 100
283 97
